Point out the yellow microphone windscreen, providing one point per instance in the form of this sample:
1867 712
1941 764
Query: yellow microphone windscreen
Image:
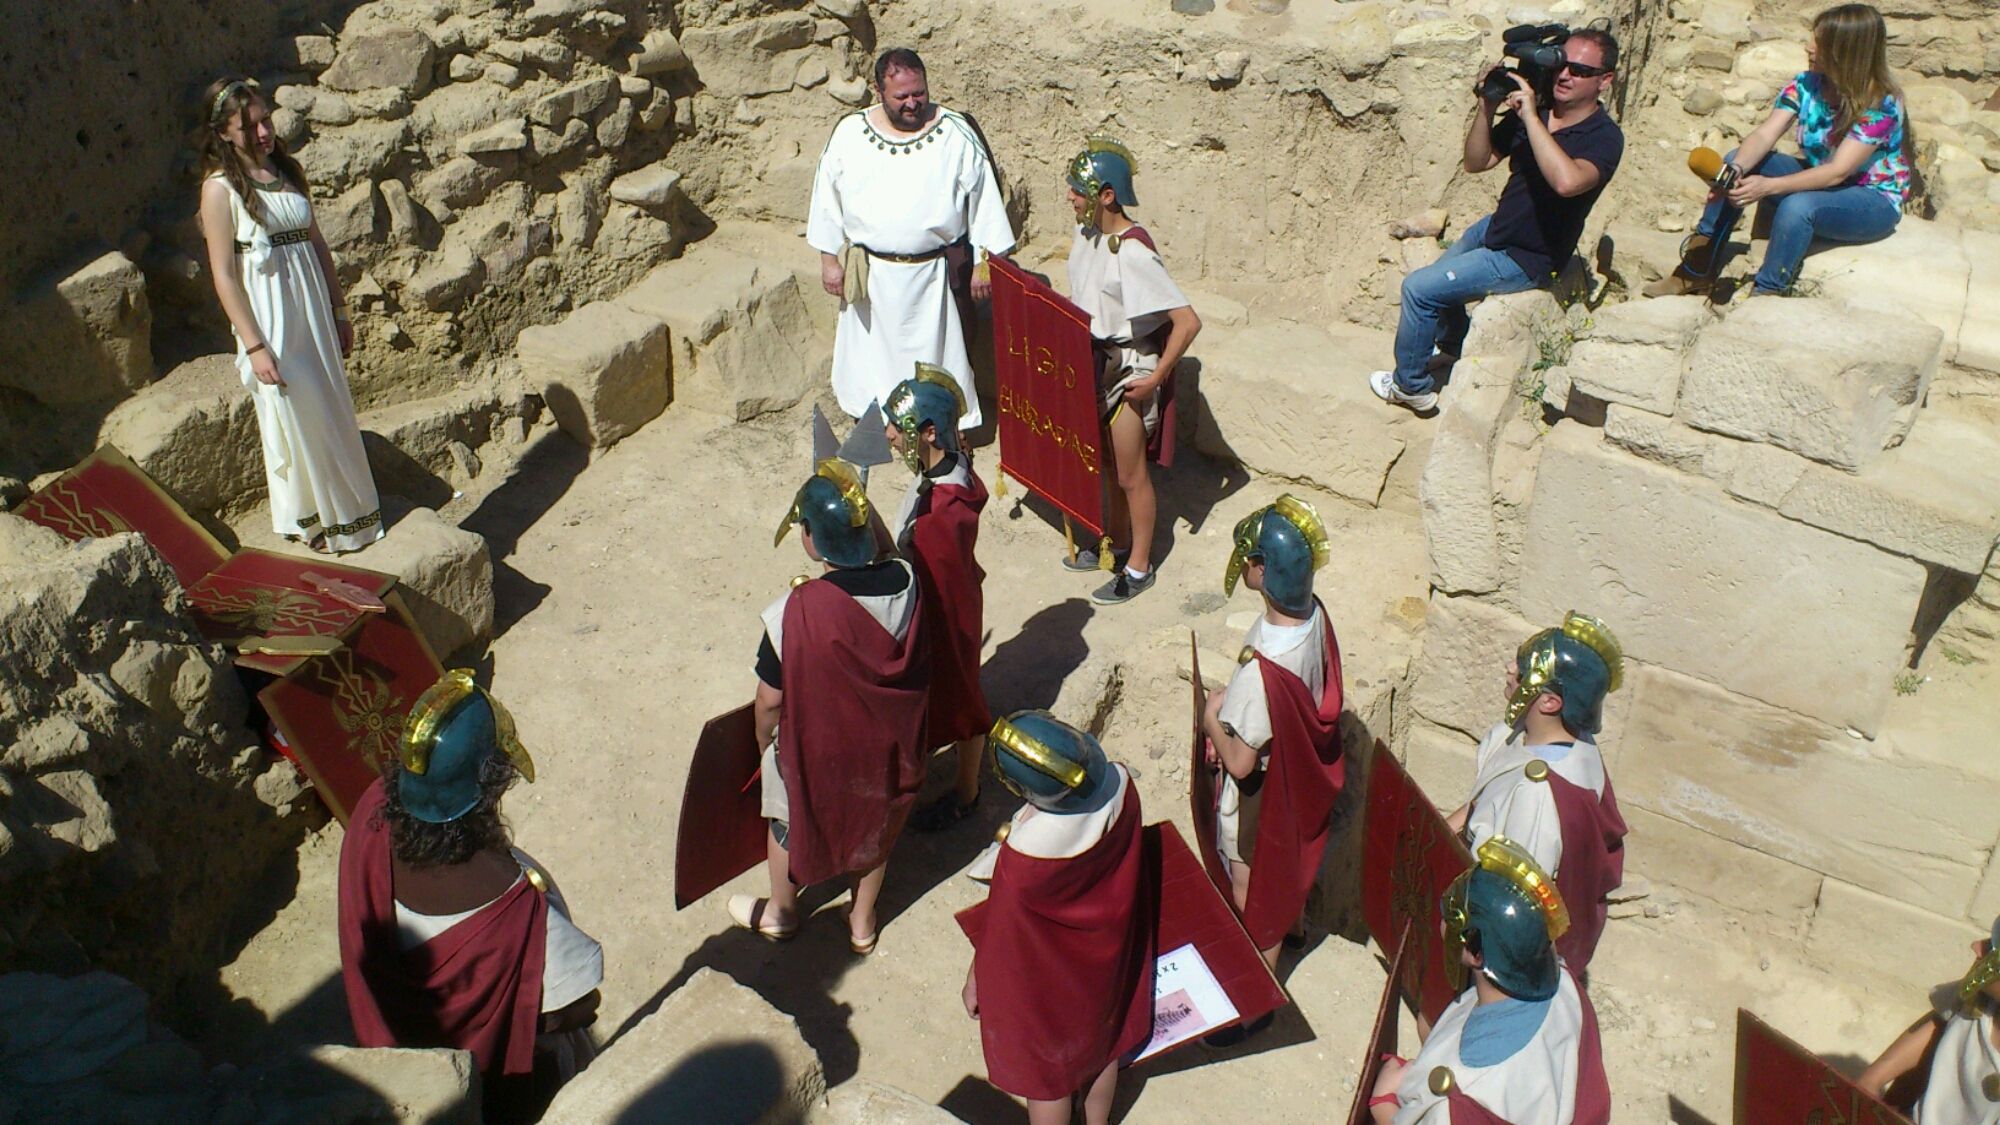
1706 163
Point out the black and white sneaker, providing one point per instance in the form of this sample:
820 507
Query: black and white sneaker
1123 587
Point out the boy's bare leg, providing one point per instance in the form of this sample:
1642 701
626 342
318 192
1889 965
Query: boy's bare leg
1097 1102
1135 484
1050 1112
971 753
784 908
1239 890
861 913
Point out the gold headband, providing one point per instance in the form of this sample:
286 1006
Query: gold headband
1044 760
240 85
420 729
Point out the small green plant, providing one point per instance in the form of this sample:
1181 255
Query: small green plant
1555 335
1907 682
1955 655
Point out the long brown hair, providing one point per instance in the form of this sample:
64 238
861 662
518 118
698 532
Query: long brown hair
1850 44
229 99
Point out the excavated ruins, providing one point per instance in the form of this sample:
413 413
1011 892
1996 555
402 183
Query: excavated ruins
590 334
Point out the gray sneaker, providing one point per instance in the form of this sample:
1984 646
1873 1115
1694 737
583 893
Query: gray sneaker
1123 587
1383 383
1086 560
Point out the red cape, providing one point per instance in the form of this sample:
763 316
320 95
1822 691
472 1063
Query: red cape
1063 958
942 537
477 986
1593 1090
851 740
1302 780
1593 864
1160 443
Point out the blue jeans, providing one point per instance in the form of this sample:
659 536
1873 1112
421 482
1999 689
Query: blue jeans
1434 300
1842 214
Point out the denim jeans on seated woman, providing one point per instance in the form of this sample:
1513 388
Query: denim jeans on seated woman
1850 213
1434 300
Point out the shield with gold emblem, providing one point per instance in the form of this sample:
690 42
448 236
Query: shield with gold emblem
1409 857
1779 1082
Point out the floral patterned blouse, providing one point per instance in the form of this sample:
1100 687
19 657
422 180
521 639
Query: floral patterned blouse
1887 171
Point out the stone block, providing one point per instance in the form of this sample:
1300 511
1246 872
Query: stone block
860 1101
602 370
411 452
659 53
1657 439
1768 893
652 187
1440 762
195 432
1270 402
1455 492
1814 622
1794 373
1771 64
714 1051
420 1086
83 337
1935 498
1461 676
1928 262
1634 351
395 56
448 278
743 341
1979 331
1934 104
445 574
510 135
1876 942
1805 792
352 217
460 182
1438 39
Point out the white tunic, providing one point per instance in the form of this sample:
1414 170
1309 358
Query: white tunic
313 458
904 197
1300 650
572 961
894 612
1964 1063
1052 835
1537 1083
1128 296
1505 803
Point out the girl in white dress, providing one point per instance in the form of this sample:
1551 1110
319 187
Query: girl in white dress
276 280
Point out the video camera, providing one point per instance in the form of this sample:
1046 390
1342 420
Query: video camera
1538 53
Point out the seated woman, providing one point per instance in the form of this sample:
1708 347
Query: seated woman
1853 180
449 936
1958 1043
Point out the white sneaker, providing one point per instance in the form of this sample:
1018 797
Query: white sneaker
1383 383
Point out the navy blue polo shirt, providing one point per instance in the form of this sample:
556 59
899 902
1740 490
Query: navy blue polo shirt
1532 223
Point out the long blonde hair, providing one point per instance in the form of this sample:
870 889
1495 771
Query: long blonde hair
1850 43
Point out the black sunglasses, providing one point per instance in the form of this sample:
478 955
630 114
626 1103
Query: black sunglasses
1585 70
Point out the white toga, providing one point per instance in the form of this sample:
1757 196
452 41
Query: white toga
1505 803
904 197
1128 295
1964 1062
1300 650
1535 1083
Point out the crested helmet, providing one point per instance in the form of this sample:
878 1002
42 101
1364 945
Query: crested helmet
1050 764
1104 163
1507 910
930 397
1580 661
1289 538
451 731
833 505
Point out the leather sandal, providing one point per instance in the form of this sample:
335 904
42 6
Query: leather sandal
858 946
747 911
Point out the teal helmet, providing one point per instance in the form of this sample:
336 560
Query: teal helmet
1104 163
451 731
833 505
1050 764
1289 539
1507 910
1579 661
930 398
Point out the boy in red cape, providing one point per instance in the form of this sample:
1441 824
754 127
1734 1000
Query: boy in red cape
844 734
1540 781
449 936
1274 731
1520 1045
1062 967
938 531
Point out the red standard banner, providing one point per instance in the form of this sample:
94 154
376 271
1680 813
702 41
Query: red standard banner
722 809
1051 425
1779 1082
1382 1041
1409 857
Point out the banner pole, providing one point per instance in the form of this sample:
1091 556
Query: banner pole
1069 537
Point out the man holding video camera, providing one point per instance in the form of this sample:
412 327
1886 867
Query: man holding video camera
1561 148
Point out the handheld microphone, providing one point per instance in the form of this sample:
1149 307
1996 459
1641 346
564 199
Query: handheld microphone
1708 164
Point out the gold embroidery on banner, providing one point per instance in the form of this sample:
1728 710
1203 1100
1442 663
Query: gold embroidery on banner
262 609
60 506
365 707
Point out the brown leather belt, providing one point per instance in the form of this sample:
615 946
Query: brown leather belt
906 259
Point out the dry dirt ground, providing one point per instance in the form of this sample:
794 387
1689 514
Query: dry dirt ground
628 591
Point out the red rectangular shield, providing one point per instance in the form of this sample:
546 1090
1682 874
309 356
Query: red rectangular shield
1201 777
107 494
1191 912
343 713
1409 857
1051 421
1779 1082
263 593
1382 1040
722 815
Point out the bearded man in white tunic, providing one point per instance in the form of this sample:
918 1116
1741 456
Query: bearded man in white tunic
899 184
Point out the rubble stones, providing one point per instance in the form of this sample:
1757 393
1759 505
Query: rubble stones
659 53
394 56
603 371
651 187
507 136
83 337
195 433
